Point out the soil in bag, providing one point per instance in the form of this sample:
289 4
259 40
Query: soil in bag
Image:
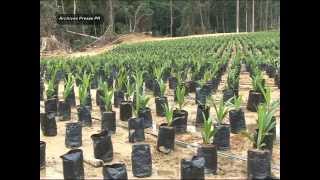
209 152
259 164
237 121
180 119
108 121
64 111
102 146
136 130
146 116
202 110
166 138
49 125
84 115
193 169
42 154
222 137
125 110
141 160
73 138
72 163
116 171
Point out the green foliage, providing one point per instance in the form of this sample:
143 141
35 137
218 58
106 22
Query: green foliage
221 109
162 86
68 87
208 130
130 90
107 98
235 102
121 80
169 114
83 94
51 89
257 82
232 79
180 93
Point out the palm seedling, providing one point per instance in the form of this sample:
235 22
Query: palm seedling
162 86
68 87
121 79
208 130
168 114
83 94
106 97
129 90
221 109
180 93
235 103
257 82
51 91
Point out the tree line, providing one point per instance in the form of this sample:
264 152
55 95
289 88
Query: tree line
161 17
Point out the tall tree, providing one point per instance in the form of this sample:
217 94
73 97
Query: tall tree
171 17
252 25
111 23
246 15
237 16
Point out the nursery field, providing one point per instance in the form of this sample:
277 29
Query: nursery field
152 95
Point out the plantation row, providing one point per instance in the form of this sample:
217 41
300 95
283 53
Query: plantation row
121 79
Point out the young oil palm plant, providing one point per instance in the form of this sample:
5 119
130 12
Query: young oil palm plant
180 93
221 109
68 87
208 130
168 114
106 97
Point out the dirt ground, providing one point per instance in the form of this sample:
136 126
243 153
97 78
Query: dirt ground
164 166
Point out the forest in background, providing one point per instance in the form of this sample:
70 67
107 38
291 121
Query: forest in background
157 17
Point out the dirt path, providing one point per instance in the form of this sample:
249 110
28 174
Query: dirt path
128 39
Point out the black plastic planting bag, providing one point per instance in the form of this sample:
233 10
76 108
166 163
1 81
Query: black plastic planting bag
193 169
191 85
102 146
141 160
42 154
202 110
71 99
108 121
73 138
64 110
180 119
49 125
136 130
166 138
116 171
118 97
209 153
42 116
84 115
237 121
160 104
51 105
125 110
259 164
255 98
172 82
73 165
222 137
145 114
